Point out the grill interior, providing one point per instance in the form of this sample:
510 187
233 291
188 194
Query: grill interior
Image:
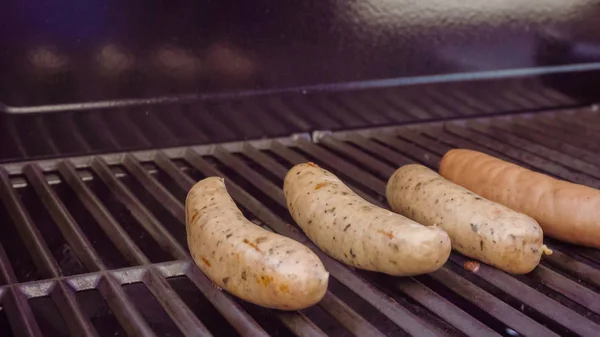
31 134
96 245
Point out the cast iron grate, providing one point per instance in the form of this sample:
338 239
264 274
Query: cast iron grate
95 246
35 135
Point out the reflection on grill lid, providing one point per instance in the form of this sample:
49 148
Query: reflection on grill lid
96 245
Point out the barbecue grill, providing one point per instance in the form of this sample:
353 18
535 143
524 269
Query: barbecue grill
93 181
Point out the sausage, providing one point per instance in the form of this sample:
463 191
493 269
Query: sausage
479 228
248 261
358 233
566 211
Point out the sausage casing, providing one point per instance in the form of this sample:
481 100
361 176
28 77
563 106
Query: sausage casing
248 261
358 233
479 228
566 211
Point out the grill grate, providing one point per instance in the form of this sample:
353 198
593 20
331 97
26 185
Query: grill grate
32 134
116 262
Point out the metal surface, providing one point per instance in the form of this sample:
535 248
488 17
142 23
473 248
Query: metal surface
72 133
73 52
96 245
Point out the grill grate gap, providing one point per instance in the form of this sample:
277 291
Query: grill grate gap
60 249
414 156
508 299
201 306
467 306
572 275
4 324
99 313
151 310
48 317
171 224
266 319
326 322
410 303
197 176
562 299
354 160
104 247
123 216
165 180
338 172
259 169
247 186
18 255
363 308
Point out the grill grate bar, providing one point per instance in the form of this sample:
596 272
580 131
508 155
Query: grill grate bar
532 160
19 314
311 111
273 191
280 109
345 110
299 324
553 132
513 126
107 222
77 324
183 317
241 321
125 311
164 163
460 142
444 308
81 246
139 211
248 201
378 149
265 161
534 299
587 125
369 181
30 235
385 109
516 288
351 320
589 121
576 292
407 148
382 169
344 312
557 298
455 316
296 158
154 188
7 274
569 128
582 270
491 304
574 137
415 290
518 142
401 316
233 313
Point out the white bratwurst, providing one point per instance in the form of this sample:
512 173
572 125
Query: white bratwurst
358 233
250 262
479 228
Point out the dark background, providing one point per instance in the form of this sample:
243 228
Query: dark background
65 51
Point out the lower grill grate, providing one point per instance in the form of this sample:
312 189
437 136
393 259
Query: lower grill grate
96 246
